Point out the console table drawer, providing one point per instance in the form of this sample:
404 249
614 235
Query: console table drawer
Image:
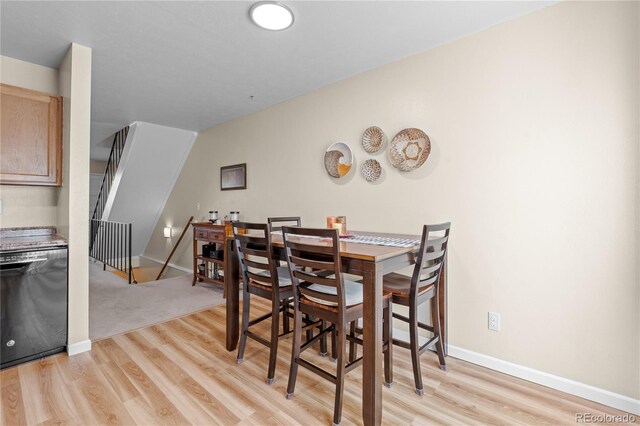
202 234
216 236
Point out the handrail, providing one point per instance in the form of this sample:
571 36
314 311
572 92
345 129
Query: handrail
184 231
117 148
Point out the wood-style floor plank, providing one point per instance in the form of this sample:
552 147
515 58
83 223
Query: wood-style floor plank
12 399
179 372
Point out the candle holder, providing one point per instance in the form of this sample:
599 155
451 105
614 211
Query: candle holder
339 223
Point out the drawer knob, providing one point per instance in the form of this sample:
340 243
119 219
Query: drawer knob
11 343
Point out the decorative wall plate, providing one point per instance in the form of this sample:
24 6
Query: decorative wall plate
373 139
409 149
371 170
338 160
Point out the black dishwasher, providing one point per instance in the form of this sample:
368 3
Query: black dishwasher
33 304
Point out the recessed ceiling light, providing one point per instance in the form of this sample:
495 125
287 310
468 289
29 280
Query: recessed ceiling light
271 15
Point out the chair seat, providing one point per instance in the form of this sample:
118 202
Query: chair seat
284 279
353 293
400 284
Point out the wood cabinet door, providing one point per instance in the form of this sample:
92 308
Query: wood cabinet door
30 137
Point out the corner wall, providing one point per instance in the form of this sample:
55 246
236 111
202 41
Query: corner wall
28 205
73 212
535 149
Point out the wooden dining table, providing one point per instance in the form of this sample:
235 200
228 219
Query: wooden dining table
371 262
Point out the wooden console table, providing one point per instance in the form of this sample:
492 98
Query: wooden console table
227 270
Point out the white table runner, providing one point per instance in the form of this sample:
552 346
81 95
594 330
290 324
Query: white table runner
375 240
382 241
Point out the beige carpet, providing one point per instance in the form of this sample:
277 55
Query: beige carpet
116 306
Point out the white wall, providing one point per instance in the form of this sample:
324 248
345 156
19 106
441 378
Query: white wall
149 167
535 132
73 212
28 205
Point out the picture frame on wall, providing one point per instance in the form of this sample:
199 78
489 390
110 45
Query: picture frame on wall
233 177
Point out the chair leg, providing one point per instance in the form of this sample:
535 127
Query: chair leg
435 320
285 316
295 350
323 339
246 305
275 330
334 344
353 349
342 347
309 332
415 347
387 338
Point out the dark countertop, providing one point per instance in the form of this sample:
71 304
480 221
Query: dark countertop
30 238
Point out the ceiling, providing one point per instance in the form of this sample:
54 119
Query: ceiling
195 64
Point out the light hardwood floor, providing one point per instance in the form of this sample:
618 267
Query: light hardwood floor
178 372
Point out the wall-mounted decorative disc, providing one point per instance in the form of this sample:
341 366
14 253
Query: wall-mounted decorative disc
373 139
371 170
409 149
338 160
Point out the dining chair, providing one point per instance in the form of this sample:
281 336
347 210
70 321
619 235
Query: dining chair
279 222
263 277
287 220
332 298
422 286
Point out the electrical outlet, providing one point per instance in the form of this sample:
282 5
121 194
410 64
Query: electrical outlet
198 206
494 321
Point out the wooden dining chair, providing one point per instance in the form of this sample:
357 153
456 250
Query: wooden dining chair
422 286
278 221
332 298
276 224
263 277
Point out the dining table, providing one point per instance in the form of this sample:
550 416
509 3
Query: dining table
371 262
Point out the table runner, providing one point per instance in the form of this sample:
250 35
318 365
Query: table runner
382 241
369 239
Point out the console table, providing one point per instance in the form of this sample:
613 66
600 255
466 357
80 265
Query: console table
227 270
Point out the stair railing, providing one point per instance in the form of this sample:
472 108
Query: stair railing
112 245
117 148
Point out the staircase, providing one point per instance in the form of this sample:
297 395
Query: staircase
143 166
110 243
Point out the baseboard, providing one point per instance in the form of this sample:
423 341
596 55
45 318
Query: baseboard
173 265
582 390
76 348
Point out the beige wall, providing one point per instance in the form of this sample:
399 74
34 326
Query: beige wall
30 76
73 211
97 166
28 205
535 134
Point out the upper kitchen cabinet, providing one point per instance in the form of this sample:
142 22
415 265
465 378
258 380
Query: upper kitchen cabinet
31 137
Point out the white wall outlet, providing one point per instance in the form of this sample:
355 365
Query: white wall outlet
198 206
494 321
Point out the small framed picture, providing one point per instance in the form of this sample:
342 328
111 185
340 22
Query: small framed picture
233 177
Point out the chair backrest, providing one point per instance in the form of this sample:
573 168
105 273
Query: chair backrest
277 222
431 255
307 257
253 243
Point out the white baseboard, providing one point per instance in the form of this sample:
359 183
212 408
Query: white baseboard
76 348
173 265
592 393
